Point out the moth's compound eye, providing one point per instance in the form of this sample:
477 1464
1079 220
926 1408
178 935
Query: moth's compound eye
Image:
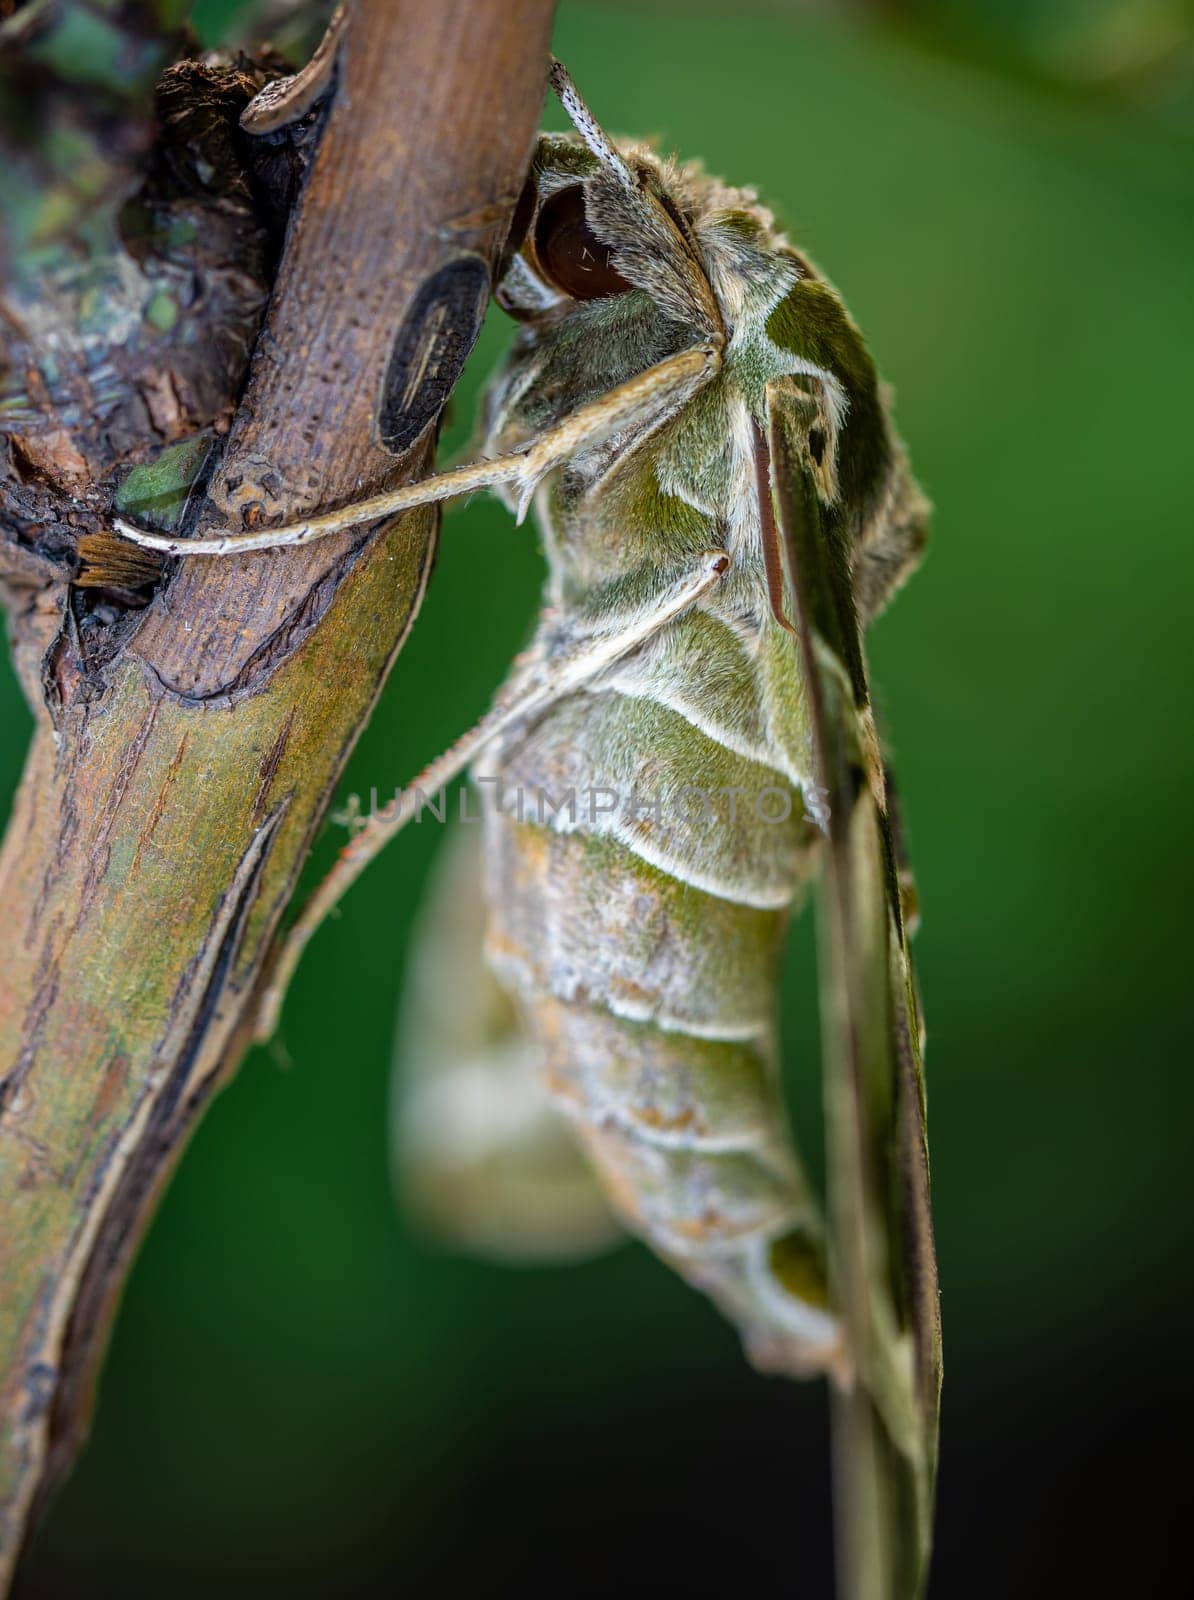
570 253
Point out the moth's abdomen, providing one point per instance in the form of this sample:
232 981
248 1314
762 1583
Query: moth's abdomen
626 768
651 992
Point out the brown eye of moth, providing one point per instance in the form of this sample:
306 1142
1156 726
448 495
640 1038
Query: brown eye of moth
570 253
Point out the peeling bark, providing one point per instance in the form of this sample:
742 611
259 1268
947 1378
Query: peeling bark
192 721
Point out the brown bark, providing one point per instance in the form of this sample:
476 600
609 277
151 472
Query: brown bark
185 752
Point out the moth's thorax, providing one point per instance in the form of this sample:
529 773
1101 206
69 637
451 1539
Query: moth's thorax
636 506
715 269
615 277
656 505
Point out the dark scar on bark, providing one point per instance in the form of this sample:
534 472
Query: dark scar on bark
431 347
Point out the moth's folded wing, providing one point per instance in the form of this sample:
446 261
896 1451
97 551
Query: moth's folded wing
478 1152
881 1248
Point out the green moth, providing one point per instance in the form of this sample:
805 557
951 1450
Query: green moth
684 748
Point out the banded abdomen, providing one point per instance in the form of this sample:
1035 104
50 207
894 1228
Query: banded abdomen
639 877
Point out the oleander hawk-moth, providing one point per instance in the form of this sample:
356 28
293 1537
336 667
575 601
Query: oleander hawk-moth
685 745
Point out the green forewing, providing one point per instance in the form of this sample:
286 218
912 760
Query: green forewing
881 1251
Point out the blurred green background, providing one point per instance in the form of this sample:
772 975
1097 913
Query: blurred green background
305 1397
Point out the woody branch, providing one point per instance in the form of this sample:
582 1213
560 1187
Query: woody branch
191 723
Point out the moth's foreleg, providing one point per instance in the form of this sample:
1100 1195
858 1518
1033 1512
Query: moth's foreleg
544 676
639 403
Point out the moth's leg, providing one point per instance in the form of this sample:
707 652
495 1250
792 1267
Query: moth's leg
541 678
642 399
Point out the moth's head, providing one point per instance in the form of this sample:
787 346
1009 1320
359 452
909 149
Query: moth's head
597 221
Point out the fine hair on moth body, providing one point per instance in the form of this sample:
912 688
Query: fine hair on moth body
678 365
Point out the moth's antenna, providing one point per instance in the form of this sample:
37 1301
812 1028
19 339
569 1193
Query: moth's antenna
586 124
